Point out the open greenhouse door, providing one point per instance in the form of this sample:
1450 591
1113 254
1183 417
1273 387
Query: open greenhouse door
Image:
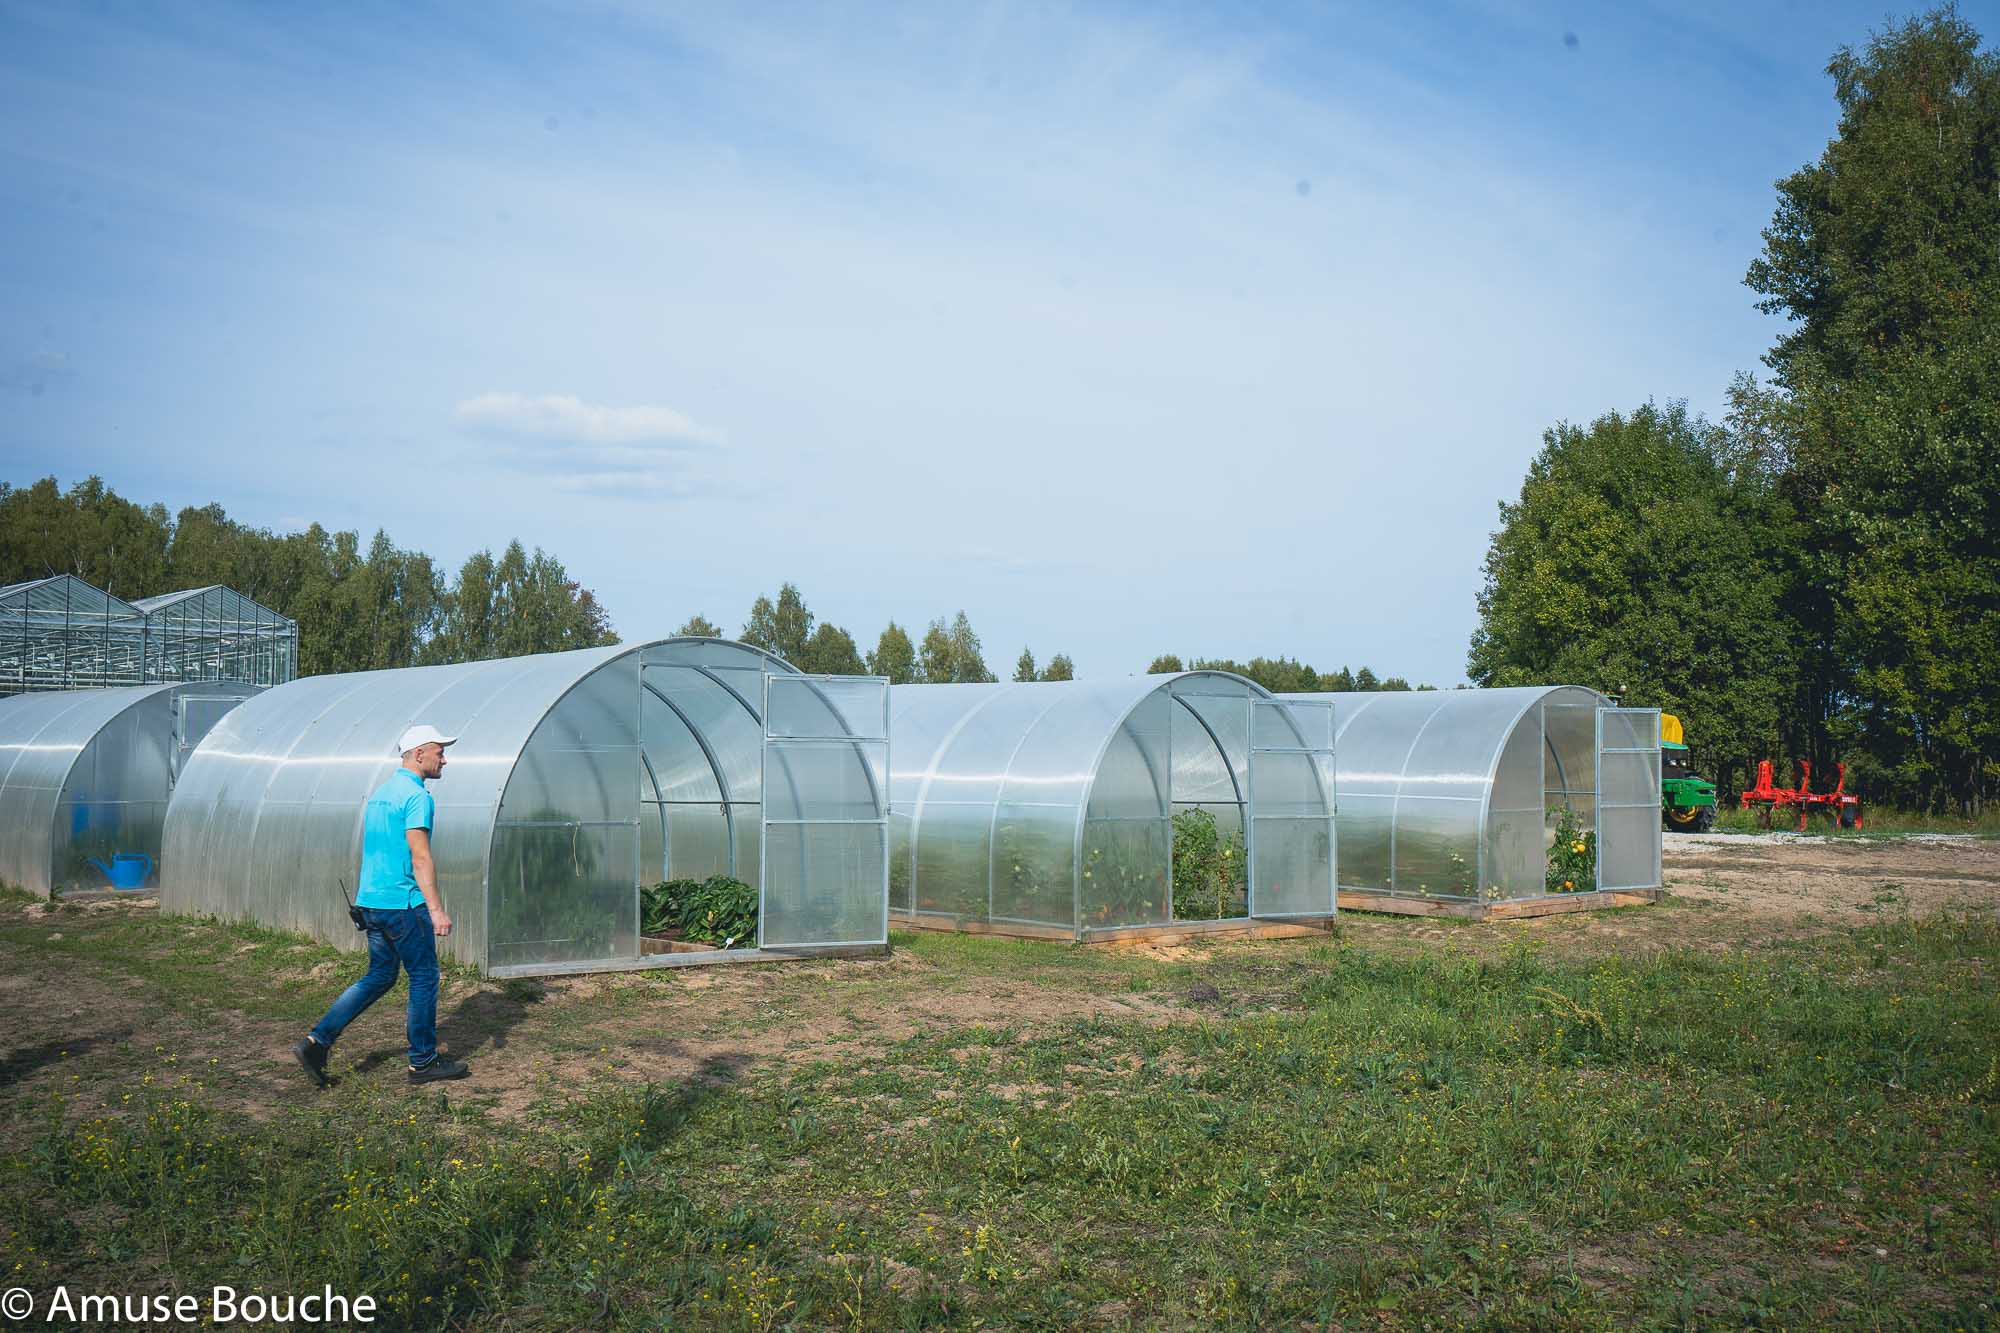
825 881
195 715
1628 798
1291 801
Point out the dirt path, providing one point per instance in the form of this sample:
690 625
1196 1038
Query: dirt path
528 1039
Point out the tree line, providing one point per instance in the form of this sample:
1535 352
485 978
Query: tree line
358 607
1286 675
1818 574
948 653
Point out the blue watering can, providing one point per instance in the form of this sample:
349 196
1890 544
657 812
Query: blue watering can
128 870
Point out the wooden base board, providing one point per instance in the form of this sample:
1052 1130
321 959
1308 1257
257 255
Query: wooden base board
1513 910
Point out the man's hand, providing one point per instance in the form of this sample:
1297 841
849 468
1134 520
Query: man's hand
440 922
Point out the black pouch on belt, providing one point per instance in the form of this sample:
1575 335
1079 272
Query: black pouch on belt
353 912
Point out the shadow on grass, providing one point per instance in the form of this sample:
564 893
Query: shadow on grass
484 1018
19 1064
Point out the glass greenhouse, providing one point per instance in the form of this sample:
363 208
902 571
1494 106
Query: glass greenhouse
85 776
61 633
577 778
1458 794
1052 808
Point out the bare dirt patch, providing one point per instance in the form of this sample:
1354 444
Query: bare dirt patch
1835 880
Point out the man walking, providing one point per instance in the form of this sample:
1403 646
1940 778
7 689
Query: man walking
399 904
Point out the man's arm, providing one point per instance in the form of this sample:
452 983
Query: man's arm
425 871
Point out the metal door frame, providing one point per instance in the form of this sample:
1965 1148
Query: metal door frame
1322 758
1652 805
765 822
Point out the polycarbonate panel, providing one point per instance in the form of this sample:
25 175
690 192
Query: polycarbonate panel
1293 868
268 806
563 893
1220 708
823 886
1034 864
714 708
829 706
1515 865
1203 774
1367 827
1569 766
746 819
1133 778
1291 840
1628 840
1127 879
1628 804
1516 855
828 780
825 864
86 774
680 768
698 841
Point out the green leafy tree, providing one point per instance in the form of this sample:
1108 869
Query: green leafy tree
1634 556
894 656
698 627
783 627
1280 675
1059 668
515 605
1164 665
951 654
88 531
1341 681
831 652
1882 256
1024 667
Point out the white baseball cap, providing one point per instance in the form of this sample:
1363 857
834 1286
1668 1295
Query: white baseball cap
422 733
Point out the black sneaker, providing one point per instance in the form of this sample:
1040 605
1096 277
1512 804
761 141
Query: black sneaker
312 1058
440 1070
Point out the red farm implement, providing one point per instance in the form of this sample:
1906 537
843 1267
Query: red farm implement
1839 805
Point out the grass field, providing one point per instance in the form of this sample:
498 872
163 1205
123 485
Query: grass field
1633 1119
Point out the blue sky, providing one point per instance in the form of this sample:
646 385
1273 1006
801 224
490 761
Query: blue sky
1209 329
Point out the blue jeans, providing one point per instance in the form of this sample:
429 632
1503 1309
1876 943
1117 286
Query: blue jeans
395 937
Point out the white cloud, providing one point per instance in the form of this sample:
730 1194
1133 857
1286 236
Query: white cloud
588 449
565 419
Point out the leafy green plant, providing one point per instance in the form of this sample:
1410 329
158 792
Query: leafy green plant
1208 869
717 910
1573 857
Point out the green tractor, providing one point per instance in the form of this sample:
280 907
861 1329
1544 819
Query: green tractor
1687 803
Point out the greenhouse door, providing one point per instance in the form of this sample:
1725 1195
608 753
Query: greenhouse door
194 716
1628 798
825 881
1291 809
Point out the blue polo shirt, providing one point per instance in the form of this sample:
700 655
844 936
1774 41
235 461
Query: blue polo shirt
388 882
